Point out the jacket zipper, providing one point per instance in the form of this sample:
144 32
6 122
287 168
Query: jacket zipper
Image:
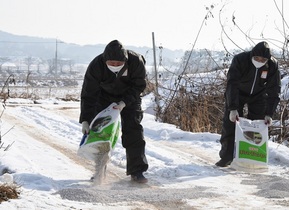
254 81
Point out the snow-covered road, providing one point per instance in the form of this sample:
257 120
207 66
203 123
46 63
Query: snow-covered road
181 175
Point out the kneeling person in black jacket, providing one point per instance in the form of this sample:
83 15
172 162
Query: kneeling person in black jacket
253 79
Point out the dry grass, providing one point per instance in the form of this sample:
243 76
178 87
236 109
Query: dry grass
8 192
200 109
195 113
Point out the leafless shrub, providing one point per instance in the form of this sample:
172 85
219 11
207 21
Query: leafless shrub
198 104
195 113
4 94
280 132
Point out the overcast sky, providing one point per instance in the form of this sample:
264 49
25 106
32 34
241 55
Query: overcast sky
175 23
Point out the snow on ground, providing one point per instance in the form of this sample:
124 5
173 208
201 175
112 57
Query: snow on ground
182 175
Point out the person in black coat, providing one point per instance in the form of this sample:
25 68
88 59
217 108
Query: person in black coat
118 75
253 79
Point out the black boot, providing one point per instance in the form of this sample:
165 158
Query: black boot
138 177
226 154
224 162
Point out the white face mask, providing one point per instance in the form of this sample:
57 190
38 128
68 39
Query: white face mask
115 69
258 64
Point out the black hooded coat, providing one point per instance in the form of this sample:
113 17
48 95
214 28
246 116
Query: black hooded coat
101 87
245 80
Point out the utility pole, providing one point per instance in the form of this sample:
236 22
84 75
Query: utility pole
156 78
56 57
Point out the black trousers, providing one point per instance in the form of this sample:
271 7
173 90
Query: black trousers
256 111
132 135
133 139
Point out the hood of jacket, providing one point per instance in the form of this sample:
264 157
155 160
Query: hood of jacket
261 49
115 51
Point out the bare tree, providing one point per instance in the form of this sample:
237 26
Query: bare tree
28 61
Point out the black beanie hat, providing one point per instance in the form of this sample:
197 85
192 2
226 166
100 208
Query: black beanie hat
262 49
115 51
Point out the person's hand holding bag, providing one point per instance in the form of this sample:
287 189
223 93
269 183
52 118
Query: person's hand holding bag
234 116
85 127
268 120
120 105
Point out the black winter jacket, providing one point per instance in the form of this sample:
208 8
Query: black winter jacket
99 82
245 80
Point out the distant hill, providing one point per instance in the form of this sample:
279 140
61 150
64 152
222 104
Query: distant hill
22 46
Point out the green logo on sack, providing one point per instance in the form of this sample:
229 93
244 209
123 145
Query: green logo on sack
253 152
109 133
116 135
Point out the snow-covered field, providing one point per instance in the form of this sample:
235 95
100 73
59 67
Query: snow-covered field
181 170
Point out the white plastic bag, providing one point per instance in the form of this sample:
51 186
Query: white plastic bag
103 135
251 145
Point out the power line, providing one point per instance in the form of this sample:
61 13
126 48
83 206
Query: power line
27 42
